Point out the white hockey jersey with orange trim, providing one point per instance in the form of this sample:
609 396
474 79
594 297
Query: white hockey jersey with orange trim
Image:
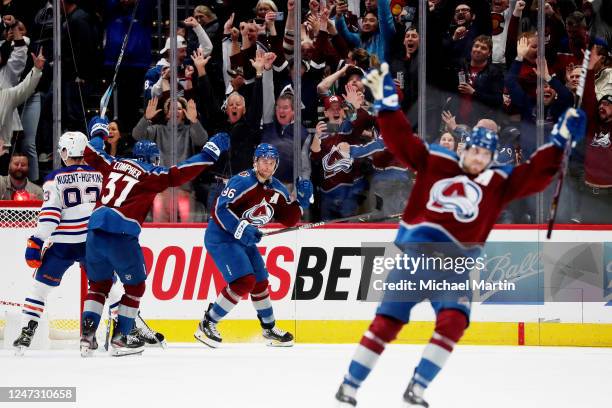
70 194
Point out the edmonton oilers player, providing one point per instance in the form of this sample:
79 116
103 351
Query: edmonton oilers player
251 199
129 189
454 202
70 194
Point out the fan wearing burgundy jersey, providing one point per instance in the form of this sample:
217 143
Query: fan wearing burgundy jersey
250 200
452 208
128 191
342 181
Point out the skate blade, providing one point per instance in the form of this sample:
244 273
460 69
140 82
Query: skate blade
86 352
276 343
161 340
126 352
154 344
406 404
340 404
201 337
19 351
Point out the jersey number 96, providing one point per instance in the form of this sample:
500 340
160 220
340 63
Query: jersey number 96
229 192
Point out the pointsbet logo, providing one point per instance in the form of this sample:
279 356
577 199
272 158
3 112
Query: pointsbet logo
181 273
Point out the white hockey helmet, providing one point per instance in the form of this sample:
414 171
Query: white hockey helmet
71 144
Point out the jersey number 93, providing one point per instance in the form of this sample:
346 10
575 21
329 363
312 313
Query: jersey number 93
74 196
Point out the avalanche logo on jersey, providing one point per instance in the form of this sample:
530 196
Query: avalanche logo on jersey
334 162
601 140
458 195
260 214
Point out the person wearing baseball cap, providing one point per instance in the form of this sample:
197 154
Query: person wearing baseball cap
155 75
606 99
594 205
181 44
334 112
338 147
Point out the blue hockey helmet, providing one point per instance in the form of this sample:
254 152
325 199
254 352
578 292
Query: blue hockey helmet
146 151
266 151
485 138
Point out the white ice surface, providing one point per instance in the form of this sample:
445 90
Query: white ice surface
252 375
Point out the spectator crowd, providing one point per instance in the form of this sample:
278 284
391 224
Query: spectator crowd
235 73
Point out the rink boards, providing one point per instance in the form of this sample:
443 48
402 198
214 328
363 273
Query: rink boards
314 281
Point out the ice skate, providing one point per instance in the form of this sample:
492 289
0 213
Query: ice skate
207 332
25 338
276 337
125 345
413 400
346 396
149 336
89 343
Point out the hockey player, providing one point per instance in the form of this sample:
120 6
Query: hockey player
70 194
112 240
454 203
250 200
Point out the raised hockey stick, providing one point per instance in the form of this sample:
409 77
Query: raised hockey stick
107 94
354 218
554 205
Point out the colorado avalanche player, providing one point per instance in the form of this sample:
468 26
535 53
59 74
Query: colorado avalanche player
129 189
251 199
70 194
454 203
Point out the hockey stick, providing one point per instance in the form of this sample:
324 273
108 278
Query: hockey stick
554 205
358 218
386 217
107 94
161 340
108 329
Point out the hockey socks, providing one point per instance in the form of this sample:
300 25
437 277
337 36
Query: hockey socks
94 301
34 304
382 330
230 296
450 325
128 307
114 298
261 302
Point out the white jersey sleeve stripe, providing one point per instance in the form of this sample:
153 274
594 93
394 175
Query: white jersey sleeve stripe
68 221
52 220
